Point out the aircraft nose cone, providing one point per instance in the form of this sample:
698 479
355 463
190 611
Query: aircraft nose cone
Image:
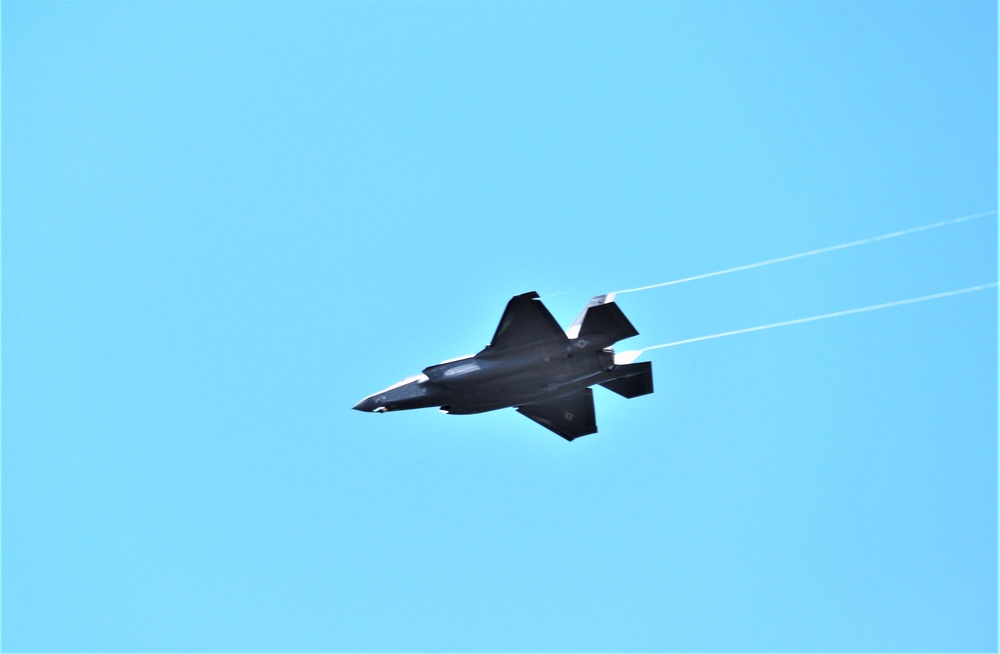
367 404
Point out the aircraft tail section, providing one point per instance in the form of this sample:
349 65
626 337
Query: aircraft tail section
602 316
632 380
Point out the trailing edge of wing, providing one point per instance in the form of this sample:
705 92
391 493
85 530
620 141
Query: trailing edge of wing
526 320
570 417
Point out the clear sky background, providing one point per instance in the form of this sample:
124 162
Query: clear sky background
226 223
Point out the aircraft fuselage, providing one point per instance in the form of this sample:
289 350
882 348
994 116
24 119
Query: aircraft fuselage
498 378
533 365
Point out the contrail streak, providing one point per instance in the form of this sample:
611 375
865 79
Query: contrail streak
823 317
811 253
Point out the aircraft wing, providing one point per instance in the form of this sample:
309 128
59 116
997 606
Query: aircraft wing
570 417
526 320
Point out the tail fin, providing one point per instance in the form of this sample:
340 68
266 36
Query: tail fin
602 316
633 380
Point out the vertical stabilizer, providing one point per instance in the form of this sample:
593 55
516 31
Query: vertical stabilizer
596 301
602 316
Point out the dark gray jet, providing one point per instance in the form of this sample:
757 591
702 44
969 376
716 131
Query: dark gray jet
533 365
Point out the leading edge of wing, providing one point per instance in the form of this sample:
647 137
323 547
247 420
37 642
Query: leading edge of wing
570 417
526 320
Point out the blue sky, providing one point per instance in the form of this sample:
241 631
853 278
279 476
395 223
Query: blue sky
225 223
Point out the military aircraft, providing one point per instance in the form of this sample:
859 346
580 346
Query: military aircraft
533 365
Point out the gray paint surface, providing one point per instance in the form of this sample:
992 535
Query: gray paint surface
533 365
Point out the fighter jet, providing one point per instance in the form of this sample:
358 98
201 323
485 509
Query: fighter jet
533 365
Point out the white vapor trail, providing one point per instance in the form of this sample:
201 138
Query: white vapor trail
836 314
811 253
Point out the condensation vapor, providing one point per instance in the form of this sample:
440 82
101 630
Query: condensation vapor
825 316
811 253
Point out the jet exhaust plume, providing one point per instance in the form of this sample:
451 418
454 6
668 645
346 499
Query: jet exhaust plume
810 253
825 316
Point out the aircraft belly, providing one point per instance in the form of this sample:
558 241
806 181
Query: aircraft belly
490 397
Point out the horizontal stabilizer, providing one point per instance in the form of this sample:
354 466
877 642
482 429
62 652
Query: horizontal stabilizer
634 380
570 417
